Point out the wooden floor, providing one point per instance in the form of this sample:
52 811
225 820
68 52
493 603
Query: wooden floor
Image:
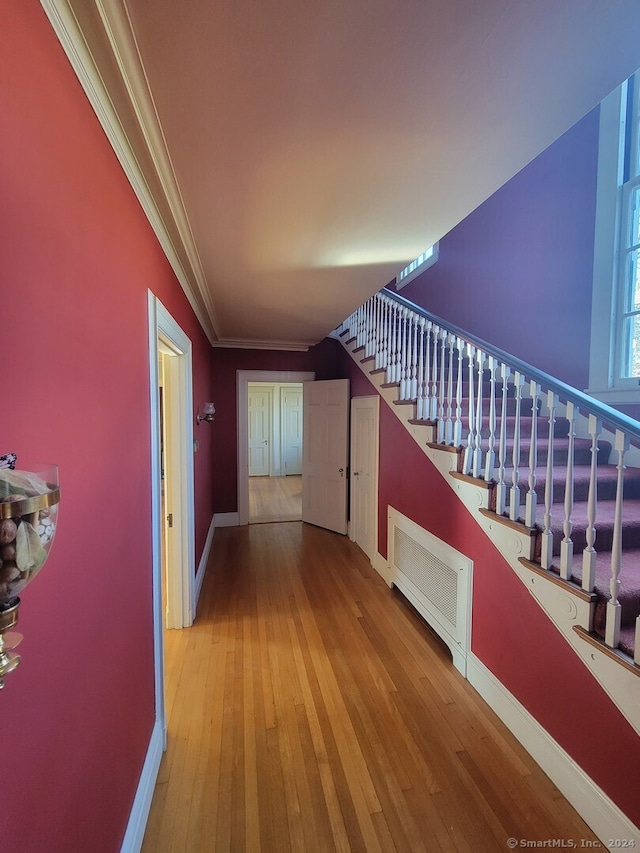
275 499
310 709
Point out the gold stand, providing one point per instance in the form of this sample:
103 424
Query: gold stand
8 660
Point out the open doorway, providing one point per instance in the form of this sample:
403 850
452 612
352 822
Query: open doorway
267 471
172 492
274 451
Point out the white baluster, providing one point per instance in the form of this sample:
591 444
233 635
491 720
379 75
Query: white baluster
374 328
413 390
420 388
367 341
589 556
614 609
501 486
448 432
384 335
388 334
477 427
457 424
514 491
377 310
403 354
441 387
490 459
566 546
428 405
392 369
547 533
531 502
468 452
434 374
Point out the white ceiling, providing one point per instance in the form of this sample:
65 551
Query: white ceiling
293 156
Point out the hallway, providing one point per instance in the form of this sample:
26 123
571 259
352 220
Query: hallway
310 709
275 499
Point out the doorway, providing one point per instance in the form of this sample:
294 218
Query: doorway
363 525
280 461
172 491
274 448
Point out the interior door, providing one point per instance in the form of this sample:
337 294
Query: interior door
291 430
364 472
259 432
325 449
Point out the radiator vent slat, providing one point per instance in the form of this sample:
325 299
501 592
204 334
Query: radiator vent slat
428 573
436 579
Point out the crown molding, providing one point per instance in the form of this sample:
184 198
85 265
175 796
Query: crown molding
237 343
120 38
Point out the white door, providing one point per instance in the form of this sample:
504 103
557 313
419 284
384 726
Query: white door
364 472
259 432
326 438
291 430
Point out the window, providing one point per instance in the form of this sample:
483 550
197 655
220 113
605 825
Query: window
415 268
629 308
614 374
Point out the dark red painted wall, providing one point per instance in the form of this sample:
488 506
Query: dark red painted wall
510 633
518 271
76 259
321 359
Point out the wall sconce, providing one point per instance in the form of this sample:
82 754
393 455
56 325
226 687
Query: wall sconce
28 520
209 412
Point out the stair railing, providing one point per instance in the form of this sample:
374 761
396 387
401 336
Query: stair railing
463 386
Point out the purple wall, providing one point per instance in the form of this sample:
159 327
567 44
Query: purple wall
518 270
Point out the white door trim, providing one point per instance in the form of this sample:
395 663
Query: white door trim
357 403
243 378
162 323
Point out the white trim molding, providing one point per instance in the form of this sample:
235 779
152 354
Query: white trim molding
202 565
597 810
134 834
226 519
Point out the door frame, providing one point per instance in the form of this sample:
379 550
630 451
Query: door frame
243 378
181 584
268 390
357 403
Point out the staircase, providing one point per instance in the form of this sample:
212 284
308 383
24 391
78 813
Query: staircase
551 464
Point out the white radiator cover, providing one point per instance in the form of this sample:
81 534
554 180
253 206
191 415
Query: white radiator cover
436 579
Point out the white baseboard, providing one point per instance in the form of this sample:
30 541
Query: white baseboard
590 801
381 566
204 559
136 826
226 519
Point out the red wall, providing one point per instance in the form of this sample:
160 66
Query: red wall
77 257
321 359
510 633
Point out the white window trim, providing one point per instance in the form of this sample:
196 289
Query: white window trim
604 383
418 266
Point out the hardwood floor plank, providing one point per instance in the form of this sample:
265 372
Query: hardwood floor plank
310 709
